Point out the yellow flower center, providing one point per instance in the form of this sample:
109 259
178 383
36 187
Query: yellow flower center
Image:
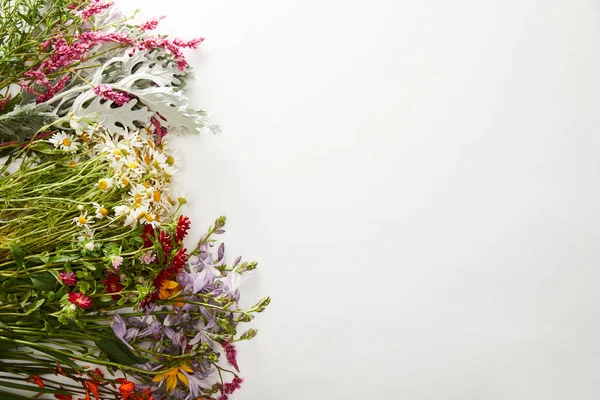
82 220
66 142
103 211
132 164
170 160
125 181
103 184
148 217
156 196
72 164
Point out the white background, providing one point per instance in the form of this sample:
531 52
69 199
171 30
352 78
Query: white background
420 181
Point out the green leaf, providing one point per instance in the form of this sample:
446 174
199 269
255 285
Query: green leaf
118 352
63 258
6 328
84 287
44 281
11 396
60 357
17 254
25 299
89 265
40 258
34 306
29 388
23 122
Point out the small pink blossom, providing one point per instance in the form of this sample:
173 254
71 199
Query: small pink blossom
174 46
231 355
116 262
53 90
159 130
106 92
4 101
148 257
68 278
95 8
151 25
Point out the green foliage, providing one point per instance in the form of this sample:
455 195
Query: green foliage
23 123
118 352
26 24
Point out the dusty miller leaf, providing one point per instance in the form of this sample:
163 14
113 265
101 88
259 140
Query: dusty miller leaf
153 79
24 122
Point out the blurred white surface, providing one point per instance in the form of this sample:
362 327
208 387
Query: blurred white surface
420 181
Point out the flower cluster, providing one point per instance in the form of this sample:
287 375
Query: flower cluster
191 340
95 271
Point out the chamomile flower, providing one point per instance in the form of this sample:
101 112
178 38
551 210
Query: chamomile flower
83 221
90 246
101 212
105 183
87 234
64 141
121 210
132 166
131 218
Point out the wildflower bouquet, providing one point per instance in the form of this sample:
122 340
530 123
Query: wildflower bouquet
99 297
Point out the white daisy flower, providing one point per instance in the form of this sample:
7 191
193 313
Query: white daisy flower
105 183
133 166
64 141
83 221
90 246
101 212
87 234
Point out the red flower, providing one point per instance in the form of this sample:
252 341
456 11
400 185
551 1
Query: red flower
37 380
80 300
93 387
183 226
112 285
148 235
87 395
63 396
178 261
98 373
126 387
68 278
165 242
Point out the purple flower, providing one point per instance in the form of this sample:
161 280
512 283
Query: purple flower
120 329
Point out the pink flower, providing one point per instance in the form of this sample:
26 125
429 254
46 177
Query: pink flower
4 101
53 90
231 387
151 25
148 257
68 278
173 46
116 262
159 130
94 8
231 355
106 92
80 300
